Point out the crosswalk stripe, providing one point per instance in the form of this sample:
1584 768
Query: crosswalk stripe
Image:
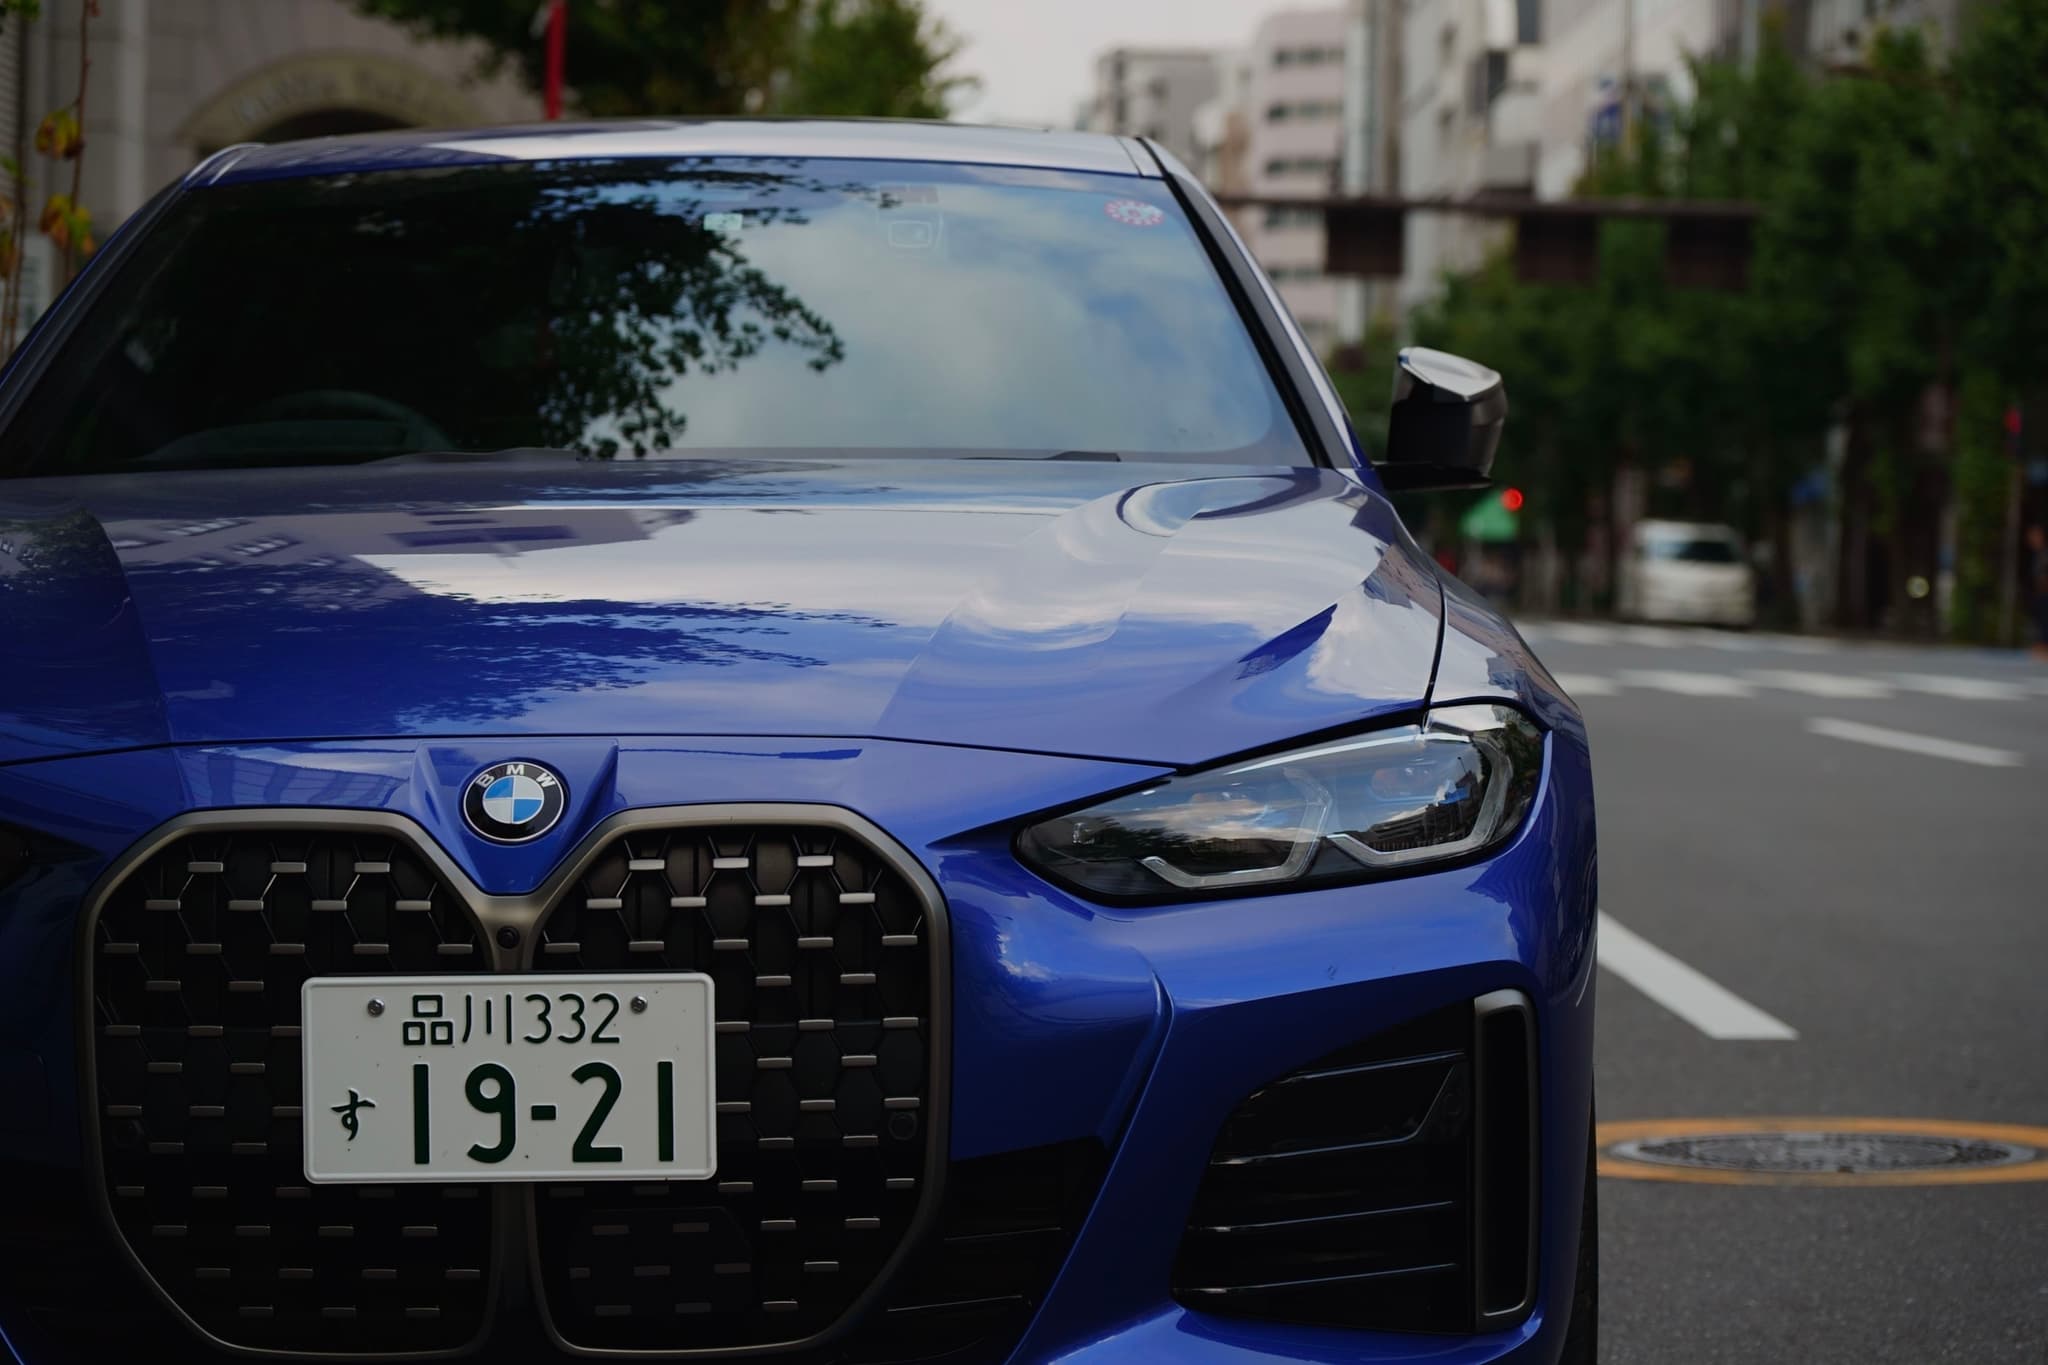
1831 686
1961 689
1879 737
1606 633
1845 686
1688 684
1573 633
1698 999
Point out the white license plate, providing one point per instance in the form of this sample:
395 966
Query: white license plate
453 1078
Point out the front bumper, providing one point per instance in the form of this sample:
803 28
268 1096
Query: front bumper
1719 608
1139 1029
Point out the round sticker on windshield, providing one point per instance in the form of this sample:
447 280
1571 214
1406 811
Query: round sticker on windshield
1135 212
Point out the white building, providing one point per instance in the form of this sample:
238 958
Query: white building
1293 118
1152 93
1472 76
1837 29
1592 44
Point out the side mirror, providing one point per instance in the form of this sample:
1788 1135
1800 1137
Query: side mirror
1445 422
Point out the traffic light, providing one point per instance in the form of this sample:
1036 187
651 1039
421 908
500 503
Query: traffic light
1493 518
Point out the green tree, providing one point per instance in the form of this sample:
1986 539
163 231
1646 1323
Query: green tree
64 219
1999 161
698 57
880 58
1897 294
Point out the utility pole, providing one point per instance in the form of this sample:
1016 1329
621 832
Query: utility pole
1628 69
551 25
1360 150
2009 572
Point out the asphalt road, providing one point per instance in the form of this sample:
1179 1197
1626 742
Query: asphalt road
1853 840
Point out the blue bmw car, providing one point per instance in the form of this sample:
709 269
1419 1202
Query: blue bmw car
801 740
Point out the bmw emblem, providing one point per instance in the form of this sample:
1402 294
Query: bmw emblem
513 803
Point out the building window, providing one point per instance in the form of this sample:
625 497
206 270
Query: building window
1291 216
1300 165
1307 56
1486 76
1528 22
1286 111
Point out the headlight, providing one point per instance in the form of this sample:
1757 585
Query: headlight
1352 808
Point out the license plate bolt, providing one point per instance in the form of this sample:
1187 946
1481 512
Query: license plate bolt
375 1007
639 1004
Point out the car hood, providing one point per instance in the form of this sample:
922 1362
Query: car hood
1106 609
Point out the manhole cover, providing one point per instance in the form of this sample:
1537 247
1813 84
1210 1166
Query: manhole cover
1823 1152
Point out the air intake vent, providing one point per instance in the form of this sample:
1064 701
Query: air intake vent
1008 1225
1359 1191
1504 1126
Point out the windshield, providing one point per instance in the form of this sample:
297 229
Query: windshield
637 308
1700 550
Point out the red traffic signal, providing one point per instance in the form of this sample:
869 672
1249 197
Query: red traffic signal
1511 498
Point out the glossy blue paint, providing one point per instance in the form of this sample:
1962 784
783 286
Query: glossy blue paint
1485 659
1140 1027
1127 611
945 647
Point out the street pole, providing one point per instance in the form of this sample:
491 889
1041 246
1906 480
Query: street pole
2009 573
1628 69
1359 149
558 42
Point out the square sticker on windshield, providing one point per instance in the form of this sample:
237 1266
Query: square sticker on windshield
913 234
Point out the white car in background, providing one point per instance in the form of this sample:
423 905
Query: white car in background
1687 571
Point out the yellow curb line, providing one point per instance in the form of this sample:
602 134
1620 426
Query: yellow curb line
1606 1135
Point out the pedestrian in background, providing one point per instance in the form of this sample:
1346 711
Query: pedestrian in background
2037 586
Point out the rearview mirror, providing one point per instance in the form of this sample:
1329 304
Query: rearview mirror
1445 422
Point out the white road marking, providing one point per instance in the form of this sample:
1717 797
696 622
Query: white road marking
1708 1006
1586 684
1607 633
1724 640
1579 633
1797 644
1879 737
1688 684
1961 689
1847 686
1658 637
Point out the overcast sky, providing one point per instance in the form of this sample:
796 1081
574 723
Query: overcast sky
1035 57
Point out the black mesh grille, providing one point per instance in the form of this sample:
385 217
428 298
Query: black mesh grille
1342 1194
1008 1224
196 967
821 957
